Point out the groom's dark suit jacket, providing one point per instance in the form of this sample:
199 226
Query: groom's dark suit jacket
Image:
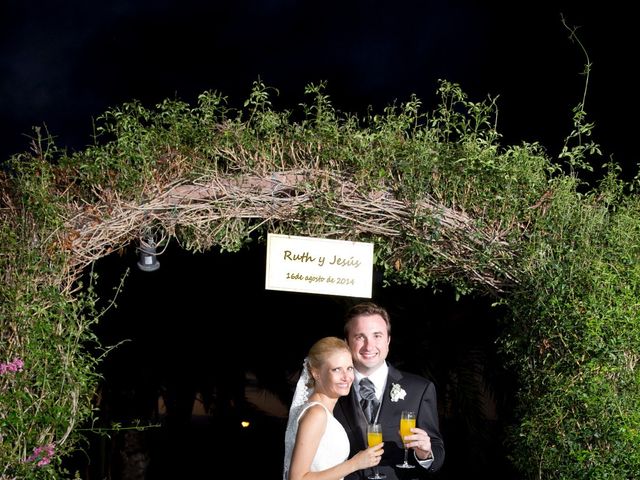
421 398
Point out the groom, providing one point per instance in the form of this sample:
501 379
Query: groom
379 394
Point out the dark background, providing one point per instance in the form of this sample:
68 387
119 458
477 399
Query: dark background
204 324
63 63
203 321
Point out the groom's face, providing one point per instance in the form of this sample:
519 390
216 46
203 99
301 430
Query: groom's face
369 342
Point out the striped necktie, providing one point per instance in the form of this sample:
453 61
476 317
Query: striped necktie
368 400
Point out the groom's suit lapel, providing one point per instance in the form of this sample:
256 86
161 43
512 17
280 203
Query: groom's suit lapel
389 409
358 416
352 414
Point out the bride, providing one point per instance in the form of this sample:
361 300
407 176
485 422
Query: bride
316 444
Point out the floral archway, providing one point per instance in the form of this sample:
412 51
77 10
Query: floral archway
436 193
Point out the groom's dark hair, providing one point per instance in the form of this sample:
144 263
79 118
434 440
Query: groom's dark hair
366 308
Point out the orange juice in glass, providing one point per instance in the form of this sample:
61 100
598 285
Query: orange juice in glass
407 422
374 438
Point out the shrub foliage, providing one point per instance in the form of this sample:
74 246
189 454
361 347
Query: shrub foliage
439 196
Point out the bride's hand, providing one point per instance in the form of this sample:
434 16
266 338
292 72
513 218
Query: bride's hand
370 457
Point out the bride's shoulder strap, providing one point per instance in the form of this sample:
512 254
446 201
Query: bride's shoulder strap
311 404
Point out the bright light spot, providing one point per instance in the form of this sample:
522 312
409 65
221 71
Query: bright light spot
245 424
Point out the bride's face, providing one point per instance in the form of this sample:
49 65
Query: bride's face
335 375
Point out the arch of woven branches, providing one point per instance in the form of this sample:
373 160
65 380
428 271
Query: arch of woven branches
210 207
440 198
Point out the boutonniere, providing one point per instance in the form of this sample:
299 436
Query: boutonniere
397 392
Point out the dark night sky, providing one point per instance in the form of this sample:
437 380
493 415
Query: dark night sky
63 63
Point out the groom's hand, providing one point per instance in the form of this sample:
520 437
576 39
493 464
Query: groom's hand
420 442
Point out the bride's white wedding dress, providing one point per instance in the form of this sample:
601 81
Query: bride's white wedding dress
333 448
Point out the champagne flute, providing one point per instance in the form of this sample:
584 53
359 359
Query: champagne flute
374 437
407 422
